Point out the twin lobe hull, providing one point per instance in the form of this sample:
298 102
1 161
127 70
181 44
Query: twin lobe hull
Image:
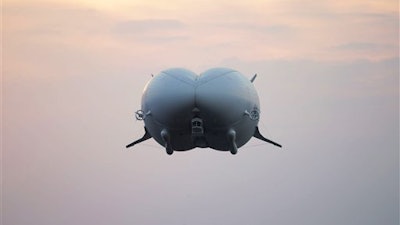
218 109
200 110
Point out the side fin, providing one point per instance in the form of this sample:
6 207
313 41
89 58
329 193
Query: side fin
145 137
258 135
253 78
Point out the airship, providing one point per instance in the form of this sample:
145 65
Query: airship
217 109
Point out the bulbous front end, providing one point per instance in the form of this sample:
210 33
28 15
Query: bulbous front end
167 103
225 99
218 109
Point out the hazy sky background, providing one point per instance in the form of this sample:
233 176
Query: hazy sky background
72 77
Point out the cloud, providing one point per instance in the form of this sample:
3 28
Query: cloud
363 46
255 31
44 18
270 29
156 31
134 26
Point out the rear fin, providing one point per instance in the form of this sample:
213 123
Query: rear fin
253 78
258 135
145 137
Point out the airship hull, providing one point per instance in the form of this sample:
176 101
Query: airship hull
217 109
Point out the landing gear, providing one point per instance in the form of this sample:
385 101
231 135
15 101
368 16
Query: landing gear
169 150
233 151
167 142
232 141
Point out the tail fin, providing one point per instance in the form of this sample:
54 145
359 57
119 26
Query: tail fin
145 137
258 135
253 78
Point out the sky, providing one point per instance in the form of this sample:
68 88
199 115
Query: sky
72 76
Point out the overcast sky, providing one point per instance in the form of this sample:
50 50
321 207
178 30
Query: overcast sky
72 77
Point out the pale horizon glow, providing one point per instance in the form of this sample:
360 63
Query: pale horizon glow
329 31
